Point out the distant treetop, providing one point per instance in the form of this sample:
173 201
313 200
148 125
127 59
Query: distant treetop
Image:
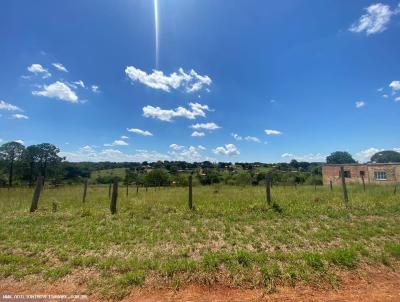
340 157
386 157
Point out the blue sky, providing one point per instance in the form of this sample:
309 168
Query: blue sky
254 80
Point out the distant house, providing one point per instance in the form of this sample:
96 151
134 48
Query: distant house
354 173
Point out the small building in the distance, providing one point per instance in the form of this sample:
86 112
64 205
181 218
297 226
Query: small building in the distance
372 173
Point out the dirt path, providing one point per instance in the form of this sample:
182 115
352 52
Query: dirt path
373 286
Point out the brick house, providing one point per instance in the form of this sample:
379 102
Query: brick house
372 173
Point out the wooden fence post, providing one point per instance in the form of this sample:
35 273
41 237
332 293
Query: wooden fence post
113 204
109 190
36 194
137 189
268 188
331 185
395 189
190 192
363 181
85 184
345 195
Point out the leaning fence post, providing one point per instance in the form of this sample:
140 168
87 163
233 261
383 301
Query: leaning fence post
85 184
190 192
268 188
36 194
331 185
363 181
113 204
346 197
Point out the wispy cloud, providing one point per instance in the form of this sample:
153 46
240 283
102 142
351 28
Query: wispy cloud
117 142
9 107
168 115
360 104
58 90
376 20
318 157
228 150
206 126
20 116
39 69
191 82
60 67
198 134
272 132
140 132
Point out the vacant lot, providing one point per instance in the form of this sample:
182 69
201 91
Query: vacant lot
231 238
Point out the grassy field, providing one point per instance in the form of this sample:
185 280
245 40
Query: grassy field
108 172
231 238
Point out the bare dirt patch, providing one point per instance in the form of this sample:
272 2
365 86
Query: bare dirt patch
366 285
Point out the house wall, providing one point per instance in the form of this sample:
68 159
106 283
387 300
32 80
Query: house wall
392 172
332 172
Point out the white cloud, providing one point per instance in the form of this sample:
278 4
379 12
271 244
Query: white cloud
20 141
272 132
375 20
380 89
252 139
318 157
20 116
140 132
9 107
395 85
191 81
95 88
228 150
39 69
397 99
60 67
360 104
58 90
236 136
385 96
207 126
189 154
80 83
117 142
88 153
176 147
365 155
198 134
167 115
124 137
201 147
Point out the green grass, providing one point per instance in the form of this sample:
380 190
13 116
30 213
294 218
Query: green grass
108 172
231 238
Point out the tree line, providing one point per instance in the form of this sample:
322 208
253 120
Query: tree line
22 165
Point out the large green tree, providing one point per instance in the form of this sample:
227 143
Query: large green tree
48 157
340 157
30 158
386 157
11 152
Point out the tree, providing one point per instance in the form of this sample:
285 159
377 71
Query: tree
48 156
386 157
340 157
30 158
157 177
11 152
